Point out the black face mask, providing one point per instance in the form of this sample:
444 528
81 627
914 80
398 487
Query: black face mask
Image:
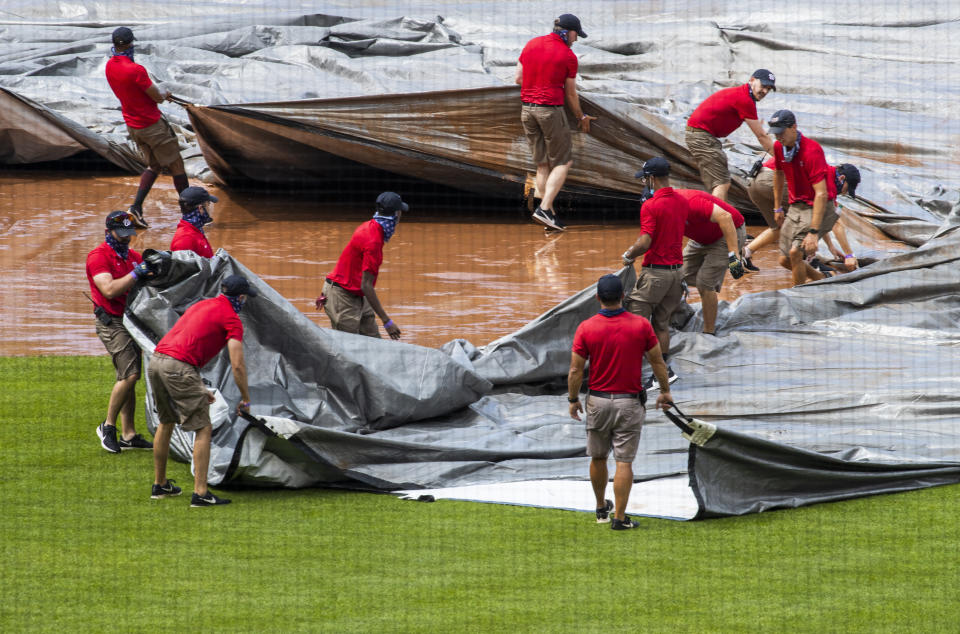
646 194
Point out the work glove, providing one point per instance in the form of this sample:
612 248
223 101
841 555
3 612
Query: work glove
735 266
142 271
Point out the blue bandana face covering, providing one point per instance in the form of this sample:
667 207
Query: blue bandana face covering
563 35
236 302
389 224
612 312
121 249
198 217
789 154
126 53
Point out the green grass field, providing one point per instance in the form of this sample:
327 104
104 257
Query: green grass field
84 548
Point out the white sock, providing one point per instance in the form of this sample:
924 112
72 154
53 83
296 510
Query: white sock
747 252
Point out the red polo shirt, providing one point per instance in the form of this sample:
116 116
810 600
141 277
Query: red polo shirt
364 252
615 347
832 191
104 259
547 63
808 167
663 218
722 112
699 227
202 332
129 82
189 238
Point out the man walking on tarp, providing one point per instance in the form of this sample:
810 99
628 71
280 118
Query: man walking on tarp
178 390
717 117
547 74
112 270
348 295
615 342
139 97
189 236
812 211
716 235
659 288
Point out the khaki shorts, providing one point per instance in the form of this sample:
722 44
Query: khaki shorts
657 294
548 133
179 393
614 423
796 225
158 143
349 313
761 193
124 351
704 265
711 159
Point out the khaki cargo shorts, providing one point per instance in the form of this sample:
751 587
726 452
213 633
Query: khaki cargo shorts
760 191
124 351
349 313
712 161
548 133
704 265
796 225
179 393
158 143
656 295
614 423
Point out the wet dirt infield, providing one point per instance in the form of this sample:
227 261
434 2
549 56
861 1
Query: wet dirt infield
447 273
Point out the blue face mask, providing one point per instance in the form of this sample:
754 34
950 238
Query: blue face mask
236 302
792 152
198 217
563 35
389 224
122 249
126 53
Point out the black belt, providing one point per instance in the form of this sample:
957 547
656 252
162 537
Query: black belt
613 395
668 267
541 105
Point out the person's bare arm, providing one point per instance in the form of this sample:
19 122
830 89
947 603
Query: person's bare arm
156 94
573 101
637 249
235 350
819 204
518 78
777 191
723 218
659 367
366 285
765 139
574 381
110 287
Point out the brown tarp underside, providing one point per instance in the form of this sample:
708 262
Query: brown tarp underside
466 139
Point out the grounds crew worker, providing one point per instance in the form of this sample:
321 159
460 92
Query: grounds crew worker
761 193
716 233
112 270
717 117
348 295
139 97
659 288
615 342
178 390
547 74
812 211
189 236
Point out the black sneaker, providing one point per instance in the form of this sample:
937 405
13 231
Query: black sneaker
137 212
137 442
749 265
548 219
207 500
652 383
108 437
603 514
623 525
167 490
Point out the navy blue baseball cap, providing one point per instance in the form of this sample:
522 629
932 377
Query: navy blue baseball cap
657 166
195 196
122 223
852 175
122 35
781 120
766 77
238 285
571 22
609 287
391 203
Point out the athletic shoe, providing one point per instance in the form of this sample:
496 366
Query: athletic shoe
603 514
548 219
652 383
167 490
137 442
623 525
749 265
138 220
207 500
108 437
820 266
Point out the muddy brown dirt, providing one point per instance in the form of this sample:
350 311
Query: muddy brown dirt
441 279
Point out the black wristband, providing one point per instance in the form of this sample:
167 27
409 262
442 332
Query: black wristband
574 399
814 231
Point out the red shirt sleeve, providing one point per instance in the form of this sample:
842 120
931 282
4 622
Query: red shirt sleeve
579 345
97 264
141 78
747 107
372 259
234 328
651 337
777 156
648 221
572 65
